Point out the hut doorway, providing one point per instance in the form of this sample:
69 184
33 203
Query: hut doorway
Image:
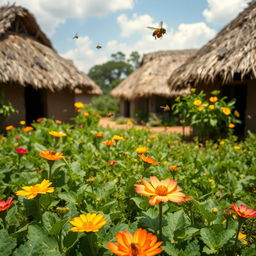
127 108
239 93
35 101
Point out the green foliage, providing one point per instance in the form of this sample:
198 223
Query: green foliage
105 104
6 108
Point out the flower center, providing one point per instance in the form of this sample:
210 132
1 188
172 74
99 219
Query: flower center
161 190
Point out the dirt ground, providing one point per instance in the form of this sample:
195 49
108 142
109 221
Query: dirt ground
107 123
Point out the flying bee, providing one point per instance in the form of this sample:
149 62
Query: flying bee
158 32
165 108
75 36
98 46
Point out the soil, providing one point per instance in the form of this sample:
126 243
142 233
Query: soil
107 123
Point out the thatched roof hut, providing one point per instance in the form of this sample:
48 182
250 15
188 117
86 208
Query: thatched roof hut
150 78
227 63
30 66
230 56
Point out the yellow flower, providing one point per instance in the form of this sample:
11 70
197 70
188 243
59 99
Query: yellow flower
211 106
129 122
86 114
28 128
192 89
62 210
222 142
57 134
197 102
22 122
226 111
200 108
236 147
237 114
165 162
9 127
211 180
117 137
92 179
58 122
214 210
242 237
173 167
231 126
4 138
31 192
141 150
79 104
213 99
51 155
90 222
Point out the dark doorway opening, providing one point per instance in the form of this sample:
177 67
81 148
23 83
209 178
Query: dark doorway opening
238 92
127 108
35 103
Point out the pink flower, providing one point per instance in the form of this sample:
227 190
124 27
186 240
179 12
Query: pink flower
112 162
4 205
243 211
21 151
17 136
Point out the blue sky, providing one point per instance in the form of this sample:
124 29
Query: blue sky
120 25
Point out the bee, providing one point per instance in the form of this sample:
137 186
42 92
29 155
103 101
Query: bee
165 108
158 32
75 36
98 46
135 250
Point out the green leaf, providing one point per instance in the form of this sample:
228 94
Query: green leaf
141 202
208 215
209 238
68 196
7 243
57 227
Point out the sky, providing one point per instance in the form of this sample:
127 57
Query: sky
121 25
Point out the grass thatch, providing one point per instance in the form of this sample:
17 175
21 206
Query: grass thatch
229 57
151 77
27 56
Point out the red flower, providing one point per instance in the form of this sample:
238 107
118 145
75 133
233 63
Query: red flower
4 205
243 211
112 162
21 151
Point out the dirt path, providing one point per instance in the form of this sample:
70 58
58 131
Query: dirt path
107 123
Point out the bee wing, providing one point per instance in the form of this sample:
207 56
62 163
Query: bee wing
151 28
161 24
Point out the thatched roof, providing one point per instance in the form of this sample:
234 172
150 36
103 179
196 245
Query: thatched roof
151 77
27 55
229 57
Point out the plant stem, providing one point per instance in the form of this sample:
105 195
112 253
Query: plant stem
237 233
59 239
160 220
50 169
39 209
89 236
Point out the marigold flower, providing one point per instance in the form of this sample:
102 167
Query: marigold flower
226 111
192 89
242 237
51 155
58 121
108 143
90 222
112 162
79 104
4 205
213 99
173 167
211 107
153 137
31 192
231 126
117 137
21 151
39 119
99 134
9 127
86 114
57 134
236 147
197 102
141 243
160 190
22 122
4 138
148 159
200 108
141 150
28 128
222 142
129 122
243 211
237 114
210 180
98 116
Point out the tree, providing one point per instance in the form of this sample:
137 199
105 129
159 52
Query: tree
134 59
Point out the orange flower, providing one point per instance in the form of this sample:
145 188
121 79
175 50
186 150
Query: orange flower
141 150
99 134
148 159
197 102
31 192
231 126
211 107
9 127
22 122
86 114
173 167
141 243
153 137
4 205
51 155
4 138
58 122
98 116
28 128
243 211
226 111
160 190
108 143
57 134
90 222
79 104
200 108
213 99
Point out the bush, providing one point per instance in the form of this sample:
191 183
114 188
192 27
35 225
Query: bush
6 108
105 104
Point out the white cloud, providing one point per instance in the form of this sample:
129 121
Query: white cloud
220 12
51 13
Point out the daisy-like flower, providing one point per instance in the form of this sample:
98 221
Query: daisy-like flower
4 205
243 211
22 122
141 243
79 104
28 128
9 127
51 155
211 107
21 151
200 108
31 192
90 222
117 137
192 89
160 190
112 163
141 150
57 134
153 137
231 126
108 143
99 134
197 102
86 114
226 111
148 159
58 121
213 99
173 167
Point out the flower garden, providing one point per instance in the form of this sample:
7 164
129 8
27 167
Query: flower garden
79 189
